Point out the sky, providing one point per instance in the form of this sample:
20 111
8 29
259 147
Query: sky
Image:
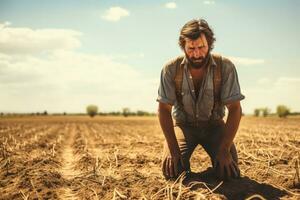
61 56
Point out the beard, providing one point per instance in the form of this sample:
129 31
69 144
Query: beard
199 62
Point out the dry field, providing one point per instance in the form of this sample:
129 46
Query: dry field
119 158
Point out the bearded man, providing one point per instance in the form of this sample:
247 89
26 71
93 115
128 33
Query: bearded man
194 90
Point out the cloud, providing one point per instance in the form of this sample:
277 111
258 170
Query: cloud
209 2
288 81
5 24
127 56
270 93
70 80
246 61
171 5
26 41
114 14
264 81
67 80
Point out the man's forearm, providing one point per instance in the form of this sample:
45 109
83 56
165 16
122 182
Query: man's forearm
166 124
231 127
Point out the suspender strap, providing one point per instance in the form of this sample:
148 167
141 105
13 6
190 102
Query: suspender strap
178 81
217 81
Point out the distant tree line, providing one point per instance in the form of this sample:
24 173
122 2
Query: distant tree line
44 113
262 112
90 113
282 111
92 110
118 113
127 113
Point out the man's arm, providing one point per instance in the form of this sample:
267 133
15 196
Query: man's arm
223 157
170 165
232 124
166 123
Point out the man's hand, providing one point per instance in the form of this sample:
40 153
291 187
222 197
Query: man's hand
225 167
172 166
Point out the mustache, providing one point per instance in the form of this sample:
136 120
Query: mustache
197 59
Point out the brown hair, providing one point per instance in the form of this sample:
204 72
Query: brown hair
193 29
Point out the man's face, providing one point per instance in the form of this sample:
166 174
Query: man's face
196 51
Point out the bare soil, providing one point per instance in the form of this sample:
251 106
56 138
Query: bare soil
72 157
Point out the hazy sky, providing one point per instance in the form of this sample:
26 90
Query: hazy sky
63 55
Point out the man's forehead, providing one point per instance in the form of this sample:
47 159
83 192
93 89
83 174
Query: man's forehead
201 40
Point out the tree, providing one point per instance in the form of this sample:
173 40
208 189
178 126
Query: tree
92 110
256 112
282 111
126 112
142 113
265 111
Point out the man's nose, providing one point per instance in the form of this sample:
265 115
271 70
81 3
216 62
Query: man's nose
196 53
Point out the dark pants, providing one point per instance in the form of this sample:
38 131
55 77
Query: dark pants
209 138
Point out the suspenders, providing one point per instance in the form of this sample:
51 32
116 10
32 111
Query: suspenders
217 80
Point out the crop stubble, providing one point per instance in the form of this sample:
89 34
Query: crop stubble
119 158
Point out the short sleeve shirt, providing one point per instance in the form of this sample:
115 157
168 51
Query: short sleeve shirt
201 108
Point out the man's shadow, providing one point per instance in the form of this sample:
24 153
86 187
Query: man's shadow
240 188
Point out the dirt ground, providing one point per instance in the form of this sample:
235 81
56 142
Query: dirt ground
68 157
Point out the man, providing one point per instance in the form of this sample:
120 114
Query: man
195 89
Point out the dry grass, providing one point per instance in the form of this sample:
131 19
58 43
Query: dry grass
119 158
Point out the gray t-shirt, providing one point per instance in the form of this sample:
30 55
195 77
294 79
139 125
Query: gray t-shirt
199 109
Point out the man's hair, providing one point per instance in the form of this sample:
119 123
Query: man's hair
193 29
